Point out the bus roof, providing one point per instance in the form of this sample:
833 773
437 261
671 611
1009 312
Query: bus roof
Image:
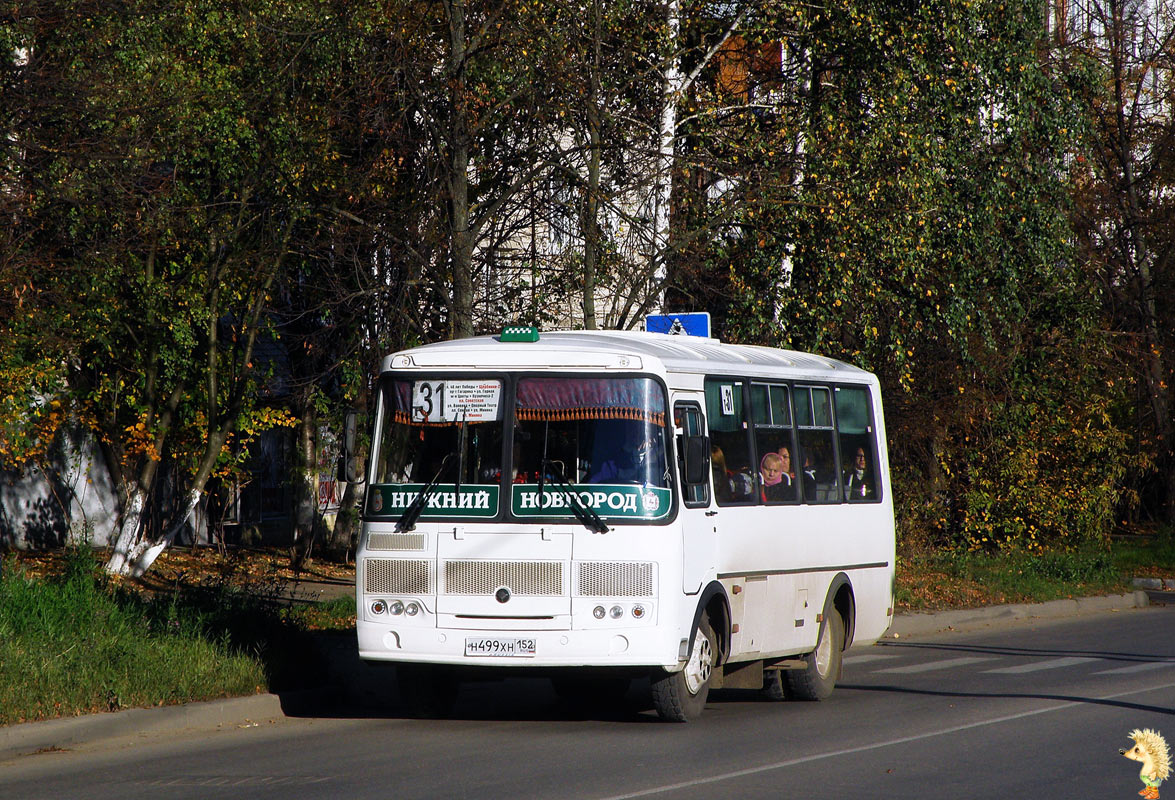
627 350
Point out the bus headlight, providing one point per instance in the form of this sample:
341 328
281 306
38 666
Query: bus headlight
598 612
412 609
617 612
397 608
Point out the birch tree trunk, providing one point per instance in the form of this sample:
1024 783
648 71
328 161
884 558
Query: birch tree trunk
675 84
143 553
128 545
672 86
591 206
137 556
460 143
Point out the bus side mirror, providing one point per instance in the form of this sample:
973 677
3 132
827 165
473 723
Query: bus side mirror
350 465
696 452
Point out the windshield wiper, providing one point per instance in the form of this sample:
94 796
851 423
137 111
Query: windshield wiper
585 514
461 436
412 513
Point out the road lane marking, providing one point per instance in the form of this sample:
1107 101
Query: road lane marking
861 659
742 773
1037 666
930 666
1145 666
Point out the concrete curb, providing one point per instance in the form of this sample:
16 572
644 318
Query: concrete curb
134 724
1158 584
918 624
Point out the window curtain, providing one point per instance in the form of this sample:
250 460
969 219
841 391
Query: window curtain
570 399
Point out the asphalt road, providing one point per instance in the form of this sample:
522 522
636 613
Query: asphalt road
1036 710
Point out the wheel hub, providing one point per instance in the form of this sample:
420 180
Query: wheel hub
700 665
824 651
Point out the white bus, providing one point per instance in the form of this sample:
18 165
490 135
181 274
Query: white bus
594 506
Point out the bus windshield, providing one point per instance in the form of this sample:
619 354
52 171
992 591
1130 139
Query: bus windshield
594 430
424 421
602 439
604 436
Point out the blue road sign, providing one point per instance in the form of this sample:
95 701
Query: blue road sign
692 324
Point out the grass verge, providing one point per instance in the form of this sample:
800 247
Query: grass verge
75 643
941 580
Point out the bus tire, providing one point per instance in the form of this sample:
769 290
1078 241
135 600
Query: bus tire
680 696
817 680
426 690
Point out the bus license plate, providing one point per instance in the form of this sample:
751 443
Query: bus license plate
519 647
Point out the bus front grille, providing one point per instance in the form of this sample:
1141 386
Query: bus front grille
615 579
397 576
524 578
395 541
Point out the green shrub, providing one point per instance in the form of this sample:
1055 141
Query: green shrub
1042 468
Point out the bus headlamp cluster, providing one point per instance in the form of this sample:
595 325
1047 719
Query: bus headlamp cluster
395 608
617 611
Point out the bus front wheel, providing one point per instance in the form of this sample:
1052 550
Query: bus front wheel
680 696
817 679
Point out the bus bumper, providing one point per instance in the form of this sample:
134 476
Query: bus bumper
633 647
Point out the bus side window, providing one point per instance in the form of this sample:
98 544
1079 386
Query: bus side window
817 467
771 418
730 455
858 445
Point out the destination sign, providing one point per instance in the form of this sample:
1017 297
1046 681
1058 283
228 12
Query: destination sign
608 500
456 401
474 500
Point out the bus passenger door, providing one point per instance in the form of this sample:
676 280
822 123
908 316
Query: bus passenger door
698 525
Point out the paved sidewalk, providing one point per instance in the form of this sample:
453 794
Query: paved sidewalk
318 591
134 725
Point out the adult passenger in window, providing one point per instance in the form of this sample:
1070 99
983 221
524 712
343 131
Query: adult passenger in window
785 487
770 473
723 486
858 481
808 477
730 485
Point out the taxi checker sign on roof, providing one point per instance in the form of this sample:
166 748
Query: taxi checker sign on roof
455 401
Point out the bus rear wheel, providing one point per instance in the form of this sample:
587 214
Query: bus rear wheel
818 678
680 696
